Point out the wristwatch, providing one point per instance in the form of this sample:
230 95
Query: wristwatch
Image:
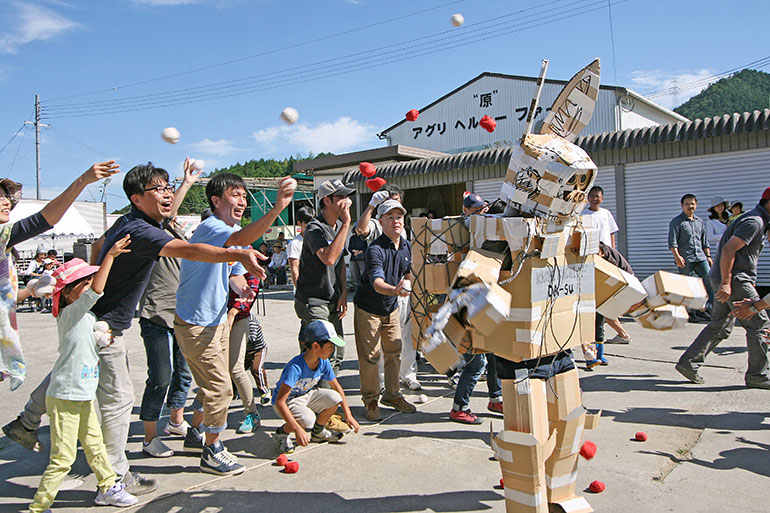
753 308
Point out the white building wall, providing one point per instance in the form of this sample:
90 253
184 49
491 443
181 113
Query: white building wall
638 114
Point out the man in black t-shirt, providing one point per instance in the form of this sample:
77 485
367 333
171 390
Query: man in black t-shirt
322 285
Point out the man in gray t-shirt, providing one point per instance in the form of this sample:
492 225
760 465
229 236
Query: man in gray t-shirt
688 242
734 277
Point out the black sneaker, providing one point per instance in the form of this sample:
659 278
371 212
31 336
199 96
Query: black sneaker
136 484
27 438
689 373
216 460
193 441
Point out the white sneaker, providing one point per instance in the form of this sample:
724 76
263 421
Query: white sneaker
618 340
412 384
157 449
180 430
115 496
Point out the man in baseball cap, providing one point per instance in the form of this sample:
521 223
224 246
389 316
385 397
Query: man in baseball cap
335 187
473 204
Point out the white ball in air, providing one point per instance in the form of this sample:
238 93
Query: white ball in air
457 19
290 115
197 164
170 135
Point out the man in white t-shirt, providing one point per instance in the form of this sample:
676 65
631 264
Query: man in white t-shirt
603 218
294 248
605 221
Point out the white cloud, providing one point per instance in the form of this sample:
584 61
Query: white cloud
331 136
682 85
32 23
219 147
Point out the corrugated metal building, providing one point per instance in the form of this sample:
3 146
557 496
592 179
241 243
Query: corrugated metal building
450 124
644 173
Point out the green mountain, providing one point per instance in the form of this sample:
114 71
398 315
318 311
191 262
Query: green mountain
745 91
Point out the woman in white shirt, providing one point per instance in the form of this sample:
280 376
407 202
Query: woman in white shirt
717 222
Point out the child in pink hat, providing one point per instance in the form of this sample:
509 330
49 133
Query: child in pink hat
70 396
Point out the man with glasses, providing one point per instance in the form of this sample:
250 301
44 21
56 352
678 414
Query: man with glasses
152 199
376 319
321 289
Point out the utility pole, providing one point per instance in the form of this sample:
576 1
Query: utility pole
37 124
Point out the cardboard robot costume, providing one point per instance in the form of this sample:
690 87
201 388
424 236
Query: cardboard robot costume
518 313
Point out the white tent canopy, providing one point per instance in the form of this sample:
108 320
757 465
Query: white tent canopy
71 223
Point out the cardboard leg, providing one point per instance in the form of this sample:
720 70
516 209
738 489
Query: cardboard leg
524 446
567 416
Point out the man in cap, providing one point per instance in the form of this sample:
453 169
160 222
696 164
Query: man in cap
473 204
376 319
734 277
321 288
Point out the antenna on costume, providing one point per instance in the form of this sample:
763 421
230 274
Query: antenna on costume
536 99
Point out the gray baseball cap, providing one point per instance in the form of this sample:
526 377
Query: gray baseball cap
335 186
388 205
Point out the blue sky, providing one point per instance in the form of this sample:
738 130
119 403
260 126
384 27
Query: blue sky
350 67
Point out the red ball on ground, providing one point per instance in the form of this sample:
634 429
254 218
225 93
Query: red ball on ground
412 115
291 467
282 460
588 450
367 169
641 436
596 486
375 184
488 123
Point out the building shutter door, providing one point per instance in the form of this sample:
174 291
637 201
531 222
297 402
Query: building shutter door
654 189
488 189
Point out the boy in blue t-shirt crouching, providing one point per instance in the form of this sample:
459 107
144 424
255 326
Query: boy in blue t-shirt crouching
296 399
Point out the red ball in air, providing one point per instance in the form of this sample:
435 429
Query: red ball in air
488 123
596 486
367 169
291 467
375 184
588 450
501 483
282 460
640 436
412 115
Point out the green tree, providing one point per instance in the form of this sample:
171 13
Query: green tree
745 91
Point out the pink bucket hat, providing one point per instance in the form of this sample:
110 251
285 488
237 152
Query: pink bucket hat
68 273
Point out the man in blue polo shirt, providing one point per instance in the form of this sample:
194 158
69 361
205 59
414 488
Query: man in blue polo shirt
376 319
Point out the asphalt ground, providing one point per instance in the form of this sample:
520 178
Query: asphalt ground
707 448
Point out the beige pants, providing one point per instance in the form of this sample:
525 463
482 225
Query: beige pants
206 349
305 407
375 333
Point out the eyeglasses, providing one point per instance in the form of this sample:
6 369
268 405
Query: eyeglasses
161 189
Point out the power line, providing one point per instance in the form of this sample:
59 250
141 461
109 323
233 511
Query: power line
218 91
15 134
262 54
299 70
759 64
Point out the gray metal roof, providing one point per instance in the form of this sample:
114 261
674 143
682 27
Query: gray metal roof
459 161
729 124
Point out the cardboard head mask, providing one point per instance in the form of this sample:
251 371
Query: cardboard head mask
548 175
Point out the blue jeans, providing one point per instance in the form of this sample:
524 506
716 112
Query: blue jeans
474 368
167 371
700 269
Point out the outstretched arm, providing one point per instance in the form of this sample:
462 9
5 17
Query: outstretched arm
56 208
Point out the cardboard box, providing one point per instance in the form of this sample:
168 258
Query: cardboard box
458 335
423 306
437 277
664 288
439 236
514 230
552 309
663 318
584 241
488 310
616 290
479 266
525 407
441 354
592 419
522 457
563 395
